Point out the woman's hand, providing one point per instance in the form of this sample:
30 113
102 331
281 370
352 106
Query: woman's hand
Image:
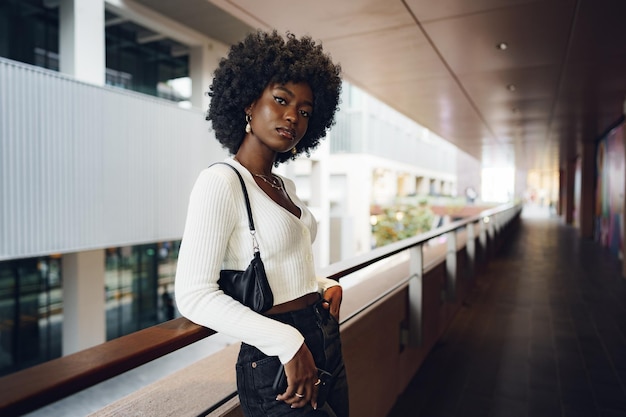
301 374
332 300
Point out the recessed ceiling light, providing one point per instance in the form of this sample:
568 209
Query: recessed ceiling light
502 46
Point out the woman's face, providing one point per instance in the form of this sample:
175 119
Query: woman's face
280 117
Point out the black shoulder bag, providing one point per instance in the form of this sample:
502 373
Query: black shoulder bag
249 287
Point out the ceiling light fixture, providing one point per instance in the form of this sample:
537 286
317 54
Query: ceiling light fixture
502 46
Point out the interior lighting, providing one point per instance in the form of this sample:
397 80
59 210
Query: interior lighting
511 87
502 46
485 219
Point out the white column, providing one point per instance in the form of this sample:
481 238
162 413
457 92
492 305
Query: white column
84 307
424 185
320 198
203 60
359 200
81 40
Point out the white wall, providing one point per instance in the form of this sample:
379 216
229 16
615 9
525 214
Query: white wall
85 167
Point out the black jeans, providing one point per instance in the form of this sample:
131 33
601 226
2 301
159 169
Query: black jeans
256 371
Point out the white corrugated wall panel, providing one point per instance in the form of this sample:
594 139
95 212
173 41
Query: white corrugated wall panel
86 167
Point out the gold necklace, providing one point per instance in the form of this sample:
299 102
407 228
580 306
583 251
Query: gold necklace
272 180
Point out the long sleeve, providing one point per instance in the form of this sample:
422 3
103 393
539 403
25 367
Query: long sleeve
326 283
216 236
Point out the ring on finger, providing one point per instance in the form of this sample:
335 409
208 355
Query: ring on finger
297 394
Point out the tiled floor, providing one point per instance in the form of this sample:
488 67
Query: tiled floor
542 334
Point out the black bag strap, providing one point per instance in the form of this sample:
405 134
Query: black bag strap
247 200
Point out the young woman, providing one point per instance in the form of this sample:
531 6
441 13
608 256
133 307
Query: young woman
272 98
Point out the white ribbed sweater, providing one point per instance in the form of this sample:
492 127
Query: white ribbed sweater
217 236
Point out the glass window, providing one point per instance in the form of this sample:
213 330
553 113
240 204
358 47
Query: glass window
136 58
144 61
29 32
140 286
31 311
8 287
118 286
168 254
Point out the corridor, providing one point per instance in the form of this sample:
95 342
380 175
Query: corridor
543 334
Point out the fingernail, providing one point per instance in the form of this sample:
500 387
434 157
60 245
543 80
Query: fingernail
277 399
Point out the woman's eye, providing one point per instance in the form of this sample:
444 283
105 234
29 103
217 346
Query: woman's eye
305 113
280 100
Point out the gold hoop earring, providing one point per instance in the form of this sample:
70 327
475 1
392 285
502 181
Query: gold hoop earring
248 127
294 150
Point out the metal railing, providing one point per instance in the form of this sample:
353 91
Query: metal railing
43 384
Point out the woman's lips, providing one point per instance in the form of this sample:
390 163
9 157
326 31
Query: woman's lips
287 133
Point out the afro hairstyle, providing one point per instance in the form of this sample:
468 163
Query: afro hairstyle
261 59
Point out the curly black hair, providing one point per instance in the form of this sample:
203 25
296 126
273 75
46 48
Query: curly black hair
263 58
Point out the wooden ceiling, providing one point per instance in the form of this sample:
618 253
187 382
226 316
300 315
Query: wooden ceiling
560 81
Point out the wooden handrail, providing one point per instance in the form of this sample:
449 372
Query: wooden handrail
35 387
